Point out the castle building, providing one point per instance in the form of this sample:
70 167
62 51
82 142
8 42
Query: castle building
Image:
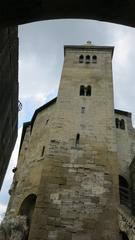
75 171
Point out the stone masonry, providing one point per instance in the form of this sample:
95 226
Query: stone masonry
72 152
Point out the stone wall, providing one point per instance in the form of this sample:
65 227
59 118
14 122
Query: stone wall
76 182
78 192
8 95
125 144
31 157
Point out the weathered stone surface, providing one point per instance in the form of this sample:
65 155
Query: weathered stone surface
76 183
14 228
126 222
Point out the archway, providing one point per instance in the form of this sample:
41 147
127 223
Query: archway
27 206
20 12
27 209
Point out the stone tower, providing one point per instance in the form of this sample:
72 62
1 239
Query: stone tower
66 181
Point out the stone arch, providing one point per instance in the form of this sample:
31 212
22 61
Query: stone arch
37 10
27 207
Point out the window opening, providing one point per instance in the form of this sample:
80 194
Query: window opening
77 138
83 110
94 59
87 59
88 91
47 121
122 124
117 122
81 59
43 150
82 90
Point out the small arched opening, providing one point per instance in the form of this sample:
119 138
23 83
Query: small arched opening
82 90
87 59
94 59
88 91
81 59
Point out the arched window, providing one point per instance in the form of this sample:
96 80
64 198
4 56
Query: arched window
82 90
122 124
88 91
87 60
117 122
124 191
94 59
81 59
77 138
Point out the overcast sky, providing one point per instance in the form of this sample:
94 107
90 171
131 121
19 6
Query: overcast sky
40 65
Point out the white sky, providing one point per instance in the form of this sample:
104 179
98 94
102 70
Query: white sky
40 65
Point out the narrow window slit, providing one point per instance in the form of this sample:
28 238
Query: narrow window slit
77 138
43 151
117 122
47 121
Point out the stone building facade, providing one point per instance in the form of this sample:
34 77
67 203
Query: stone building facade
75 159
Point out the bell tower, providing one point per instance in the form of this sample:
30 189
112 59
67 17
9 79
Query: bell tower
78 192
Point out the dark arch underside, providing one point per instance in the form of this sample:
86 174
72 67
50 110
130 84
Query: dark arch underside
27 206
22 11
